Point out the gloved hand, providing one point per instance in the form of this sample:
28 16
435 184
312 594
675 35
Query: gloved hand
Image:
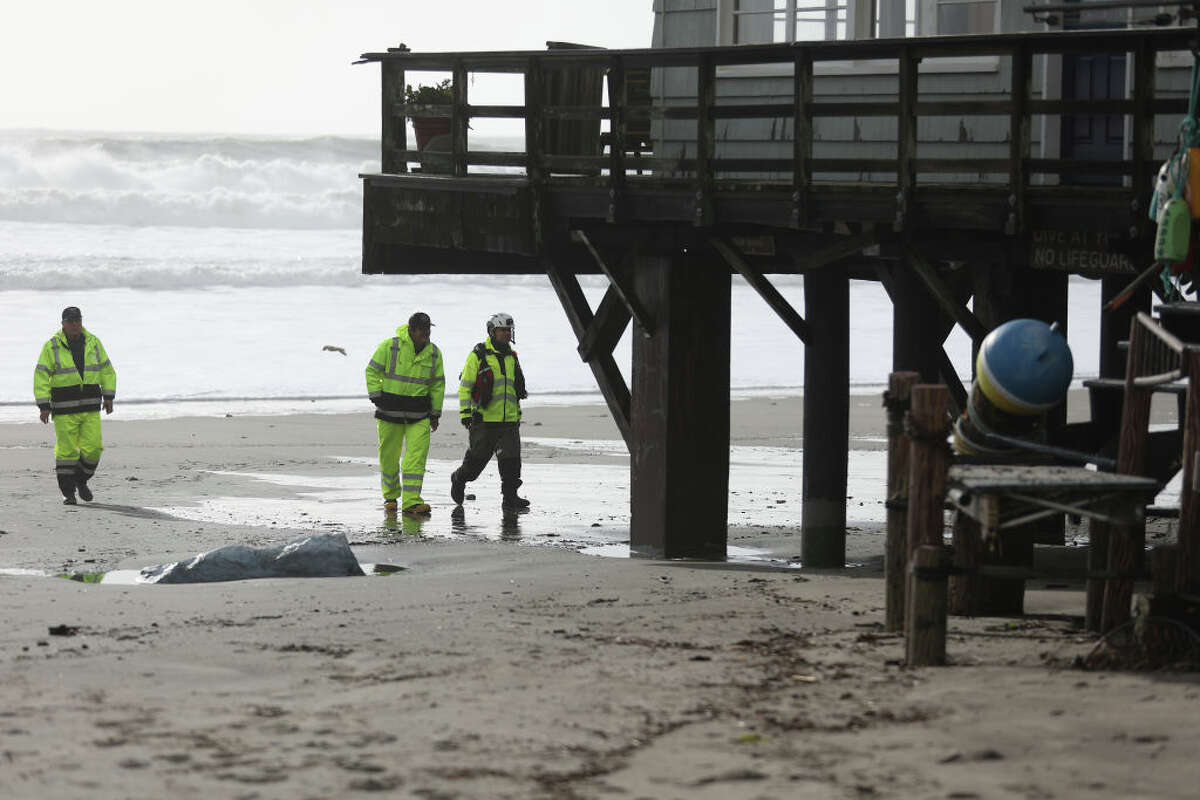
466 422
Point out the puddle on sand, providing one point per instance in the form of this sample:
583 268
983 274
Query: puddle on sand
582 506
134 577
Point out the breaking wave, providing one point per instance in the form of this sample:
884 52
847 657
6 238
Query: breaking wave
192 181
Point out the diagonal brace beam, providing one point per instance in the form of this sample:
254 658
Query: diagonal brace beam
604 367
619 285
945 297
606 328
765 289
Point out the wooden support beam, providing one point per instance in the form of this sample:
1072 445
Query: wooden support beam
766 290
949 375
394 138
606 328
945 297
807 261
679 456
826 419
1142 151
916 338
619 284
928 464
1189 491
1126 542
608 375
897 400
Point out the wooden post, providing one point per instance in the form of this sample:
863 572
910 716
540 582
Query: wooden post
968 557
1020 140
916 326
929 462
802 137
679 464
394 139
897 400
1164 570
826 419
1189 501
1097 568
1126 542
459 120
925 642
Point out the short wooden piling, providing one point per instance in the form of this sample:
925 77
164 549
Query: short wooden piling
927 597
897 400
1189 493
928 426
964 587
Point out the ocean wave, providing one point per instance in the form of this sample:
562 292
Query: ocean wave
184 181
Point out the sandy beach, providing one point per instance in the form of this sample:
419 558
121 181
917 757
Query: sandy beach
503 662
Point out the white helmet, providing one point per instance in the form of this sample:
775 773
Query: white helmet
502 320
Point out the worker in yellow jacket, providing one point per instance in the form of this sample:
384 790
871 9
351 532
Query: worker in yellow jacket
73 379
406 382
490 390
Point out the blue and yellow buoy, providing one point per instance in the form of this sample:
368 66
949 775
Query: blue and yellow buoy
1023 369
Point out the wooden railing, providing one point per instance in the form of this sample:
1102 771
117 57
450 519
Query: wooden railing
705 172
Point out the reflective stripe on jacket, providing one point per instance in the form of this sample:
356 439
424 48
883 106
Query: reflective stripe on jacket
405 385
58 384
505 405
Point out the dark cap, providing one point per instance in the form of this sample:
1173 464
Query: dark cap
420 320
71 313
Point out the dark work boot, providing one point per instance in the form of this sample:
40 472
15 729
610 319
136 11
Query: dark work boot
510 481
81 486
458 488
66 485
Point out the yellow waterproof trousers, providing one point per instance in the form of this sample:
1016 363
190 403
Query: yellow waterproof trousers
77 444
402 477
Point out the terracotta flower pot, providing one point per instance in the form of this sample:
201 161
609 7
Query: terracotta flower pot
428 127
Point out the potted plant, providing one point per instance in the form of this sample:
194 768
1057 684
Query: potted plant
427 128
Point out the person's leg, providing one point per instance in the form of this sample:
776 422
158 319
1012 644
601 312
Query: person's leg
479 451
412 466
508 462
391 442
66 453
91 444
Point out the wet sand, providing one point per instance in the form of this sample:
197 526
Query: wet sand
505 663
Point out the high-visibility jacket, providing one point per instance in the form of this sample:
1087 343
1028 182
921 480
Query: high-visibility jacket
58 383
405 385
505 405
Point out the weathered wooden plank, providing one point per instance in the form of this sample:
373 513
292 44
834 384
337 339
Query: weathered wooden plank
617 100
1188 579
1126 542
906 136
897 400
1020 140
620 283
802 138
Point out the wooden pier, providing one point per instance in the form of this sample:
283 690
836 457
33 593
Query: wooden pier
669 230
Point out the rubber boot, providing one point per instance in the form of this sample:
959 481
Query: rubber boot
458 488
81 479
467 472
66 484
510 481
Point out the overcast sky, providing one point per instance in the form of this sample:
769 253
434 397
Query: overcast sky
257 66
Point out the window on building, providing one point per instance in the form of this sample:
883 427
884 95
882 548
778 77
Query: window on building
958 17
765 21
